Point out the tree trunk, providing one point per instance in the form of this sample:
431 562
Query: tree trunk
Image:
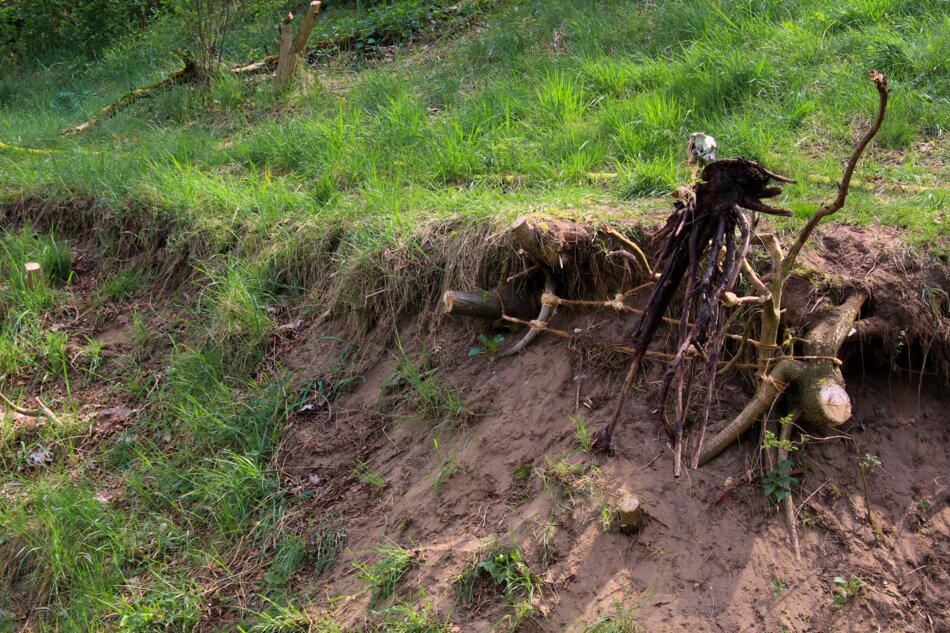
285 38
293 47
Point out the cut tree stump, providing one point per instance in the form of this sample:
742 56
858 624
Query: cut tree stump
33 275
630 515
293 47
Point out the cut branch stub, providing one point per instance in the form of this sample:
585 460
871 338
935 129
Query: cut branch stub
293 47
550 242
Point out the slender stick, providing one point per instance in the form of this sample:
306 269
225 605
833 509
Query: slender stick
789 505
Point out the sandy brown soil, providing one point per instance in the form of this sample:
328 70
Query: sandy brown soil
711 557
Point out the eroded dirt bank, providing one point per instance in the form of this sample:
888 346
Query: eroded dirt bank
506 464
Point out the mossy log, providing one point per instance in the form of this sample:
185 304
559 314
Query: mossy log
188 73
817 379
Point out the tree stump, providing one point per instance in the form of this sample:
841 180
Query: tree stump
630 515
33 277
293 47
550 242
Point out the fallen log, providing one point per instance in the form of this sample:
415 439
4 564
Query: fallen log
489 305
188 73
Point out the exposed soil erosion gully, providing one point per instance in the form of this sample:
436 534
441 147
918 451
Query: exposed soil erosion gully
857 332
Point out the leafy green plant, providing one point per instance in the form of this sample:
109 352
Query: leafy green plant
846 590
777 587
490 346
870 461
503 567
772 441
777 483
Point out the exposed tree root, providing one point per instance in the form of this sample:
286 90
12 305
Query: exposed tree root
704 247
708 215
822 397
788 503
547 311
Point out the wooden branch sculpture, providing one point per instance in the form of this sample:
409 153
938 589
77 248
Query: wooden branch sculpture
820 385
708 214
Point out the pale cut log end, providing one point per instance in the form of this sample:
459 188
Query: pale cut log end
835 404
33 275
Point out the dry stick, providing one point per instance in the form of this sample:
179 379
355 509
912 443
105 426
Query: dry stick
716 347
620 349
878 537
31 413
880 82
788 504
182 75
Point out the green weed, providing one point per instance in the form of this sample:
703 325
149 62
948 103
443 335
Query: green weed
846 590
585 440
622 620
383 576
362 471
777 483
403 618
423 391
502 568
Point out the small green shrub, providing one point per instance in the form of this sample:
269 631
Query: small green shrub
777 483
500 566
847 590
